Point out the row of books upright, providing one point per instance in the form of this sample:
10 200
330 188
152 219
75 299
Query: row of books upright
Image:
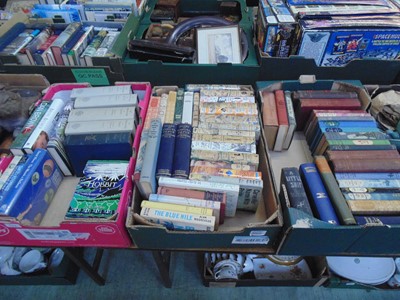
354 178
74 45
200 150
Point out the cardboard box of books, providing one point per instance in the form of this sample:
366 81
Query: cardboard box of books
245 269
70 220
215 184
353 230
157 65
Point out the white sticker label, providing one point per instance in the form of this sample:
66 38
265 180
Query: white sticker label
47 235
258 233
259 240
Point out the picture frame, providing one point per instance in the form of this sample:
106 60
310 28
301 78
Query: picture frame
218 45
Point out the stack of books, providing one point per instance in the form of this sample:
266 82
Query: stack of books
101 125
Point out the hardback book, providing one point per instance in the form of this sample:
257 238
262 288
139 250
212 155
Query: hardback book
224 147
166 152
215 206
230 157
226 96
283 121
11 34
17 44
223 138
198 87
101 91
374 207
322 147
180 93
362 176
17 145
98 192
147 183
162 110
31 195
317 193
76 51
229 119
196 109
102 113
371 196
101 126
291 120
369 190
224 132
106 101
86 57
69 45
377 220
170 110
330 154
178 220
365 165
60 43
187 112
365 135
369 183
232 126
228 108
339 203
293 190
40 56
181 155
219 165
231 190
36 43
321 94
224 172
40 135
81 148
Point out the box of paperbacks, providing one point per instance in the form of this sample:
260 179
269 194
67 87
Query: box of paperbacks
149 63
359 227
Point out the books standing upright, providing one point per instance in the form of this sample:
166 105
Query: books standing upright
282 120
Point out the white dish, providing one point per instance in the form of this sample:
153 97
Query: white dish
56 258
368 270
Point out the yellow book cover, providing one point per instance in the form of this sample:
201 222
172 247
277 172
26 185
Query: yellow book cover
178 207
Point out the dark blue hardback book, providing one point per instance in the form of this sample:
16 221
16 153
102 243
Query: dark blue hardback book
377 220
11 34
183 141
317 193
166 152
70 44
294 189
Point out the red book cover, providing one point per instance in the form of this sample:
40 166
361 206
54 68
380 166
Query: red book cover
376 165
362 154
283 121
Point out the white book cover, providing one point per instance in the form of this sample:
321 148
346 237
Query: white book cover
231 190
106 101
187 113
102 126
101 113
40 135
101 91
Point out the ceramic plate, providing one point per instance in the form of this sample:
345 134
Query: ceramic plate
266 269
368 270
56 258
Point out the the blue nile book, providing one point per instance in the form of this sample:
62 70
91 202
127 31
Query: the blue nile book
295 192
147 183
167 147
32 193
183 141
317 193
102 146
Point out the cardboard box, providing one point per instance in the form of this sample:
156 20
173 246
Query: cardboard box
317 266
260 231
309 236
163 73
54 230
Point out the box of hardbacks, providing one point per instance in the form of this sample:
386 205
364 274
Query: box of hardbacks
332 131
245 269
152 58
37 45
203 179
89 209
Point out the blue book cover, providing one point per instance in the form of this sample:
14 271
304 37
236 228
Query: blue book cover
183 141
362 176
70 44
166 152
377 220
34 190
317 193
11 34
296 195
361 147
371 196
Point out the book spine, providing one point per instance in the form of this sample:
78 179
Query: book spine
4 163
167 148
349 129
361 147
219 165
366 183
235 119
178 207
230 157
187 113
283 121
355 135
196 109
187 193
231 126
317 193
291 121
179 105
224 132
341 124
185 201
100 126
101 91
148 175
227 108
226 147
181 161
366 207
171 103
223 138
377 220
101 113
342 210
328 94
177 220
384 165
369 176
371 196
17 145
297 197
45 125
8 182
106 101
330 154
358 142
98 138
369 190
217 94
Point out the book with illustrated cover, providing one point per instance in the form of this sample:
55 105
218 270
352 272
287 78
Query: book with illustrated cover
60 43
86 56
76 51
25 56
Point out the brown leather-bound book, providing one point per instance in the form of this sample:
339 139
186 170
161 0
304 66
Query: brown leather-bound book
366 165
372 154
281 110
270 118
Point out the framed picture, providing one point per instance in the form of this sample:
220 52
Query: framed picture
218 45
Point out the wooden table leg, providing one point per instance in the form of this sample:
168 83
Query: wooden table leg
163 259
91 270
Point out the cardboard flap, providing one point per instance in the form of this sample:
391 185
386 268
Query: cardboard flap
34 81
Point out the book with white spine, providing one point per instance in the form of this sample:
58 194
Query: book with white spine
106 101
101 91
102 113
100 126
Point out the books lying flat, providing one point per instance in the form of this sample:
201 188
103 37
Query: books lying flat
106 101
102 113
101 91
87 127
